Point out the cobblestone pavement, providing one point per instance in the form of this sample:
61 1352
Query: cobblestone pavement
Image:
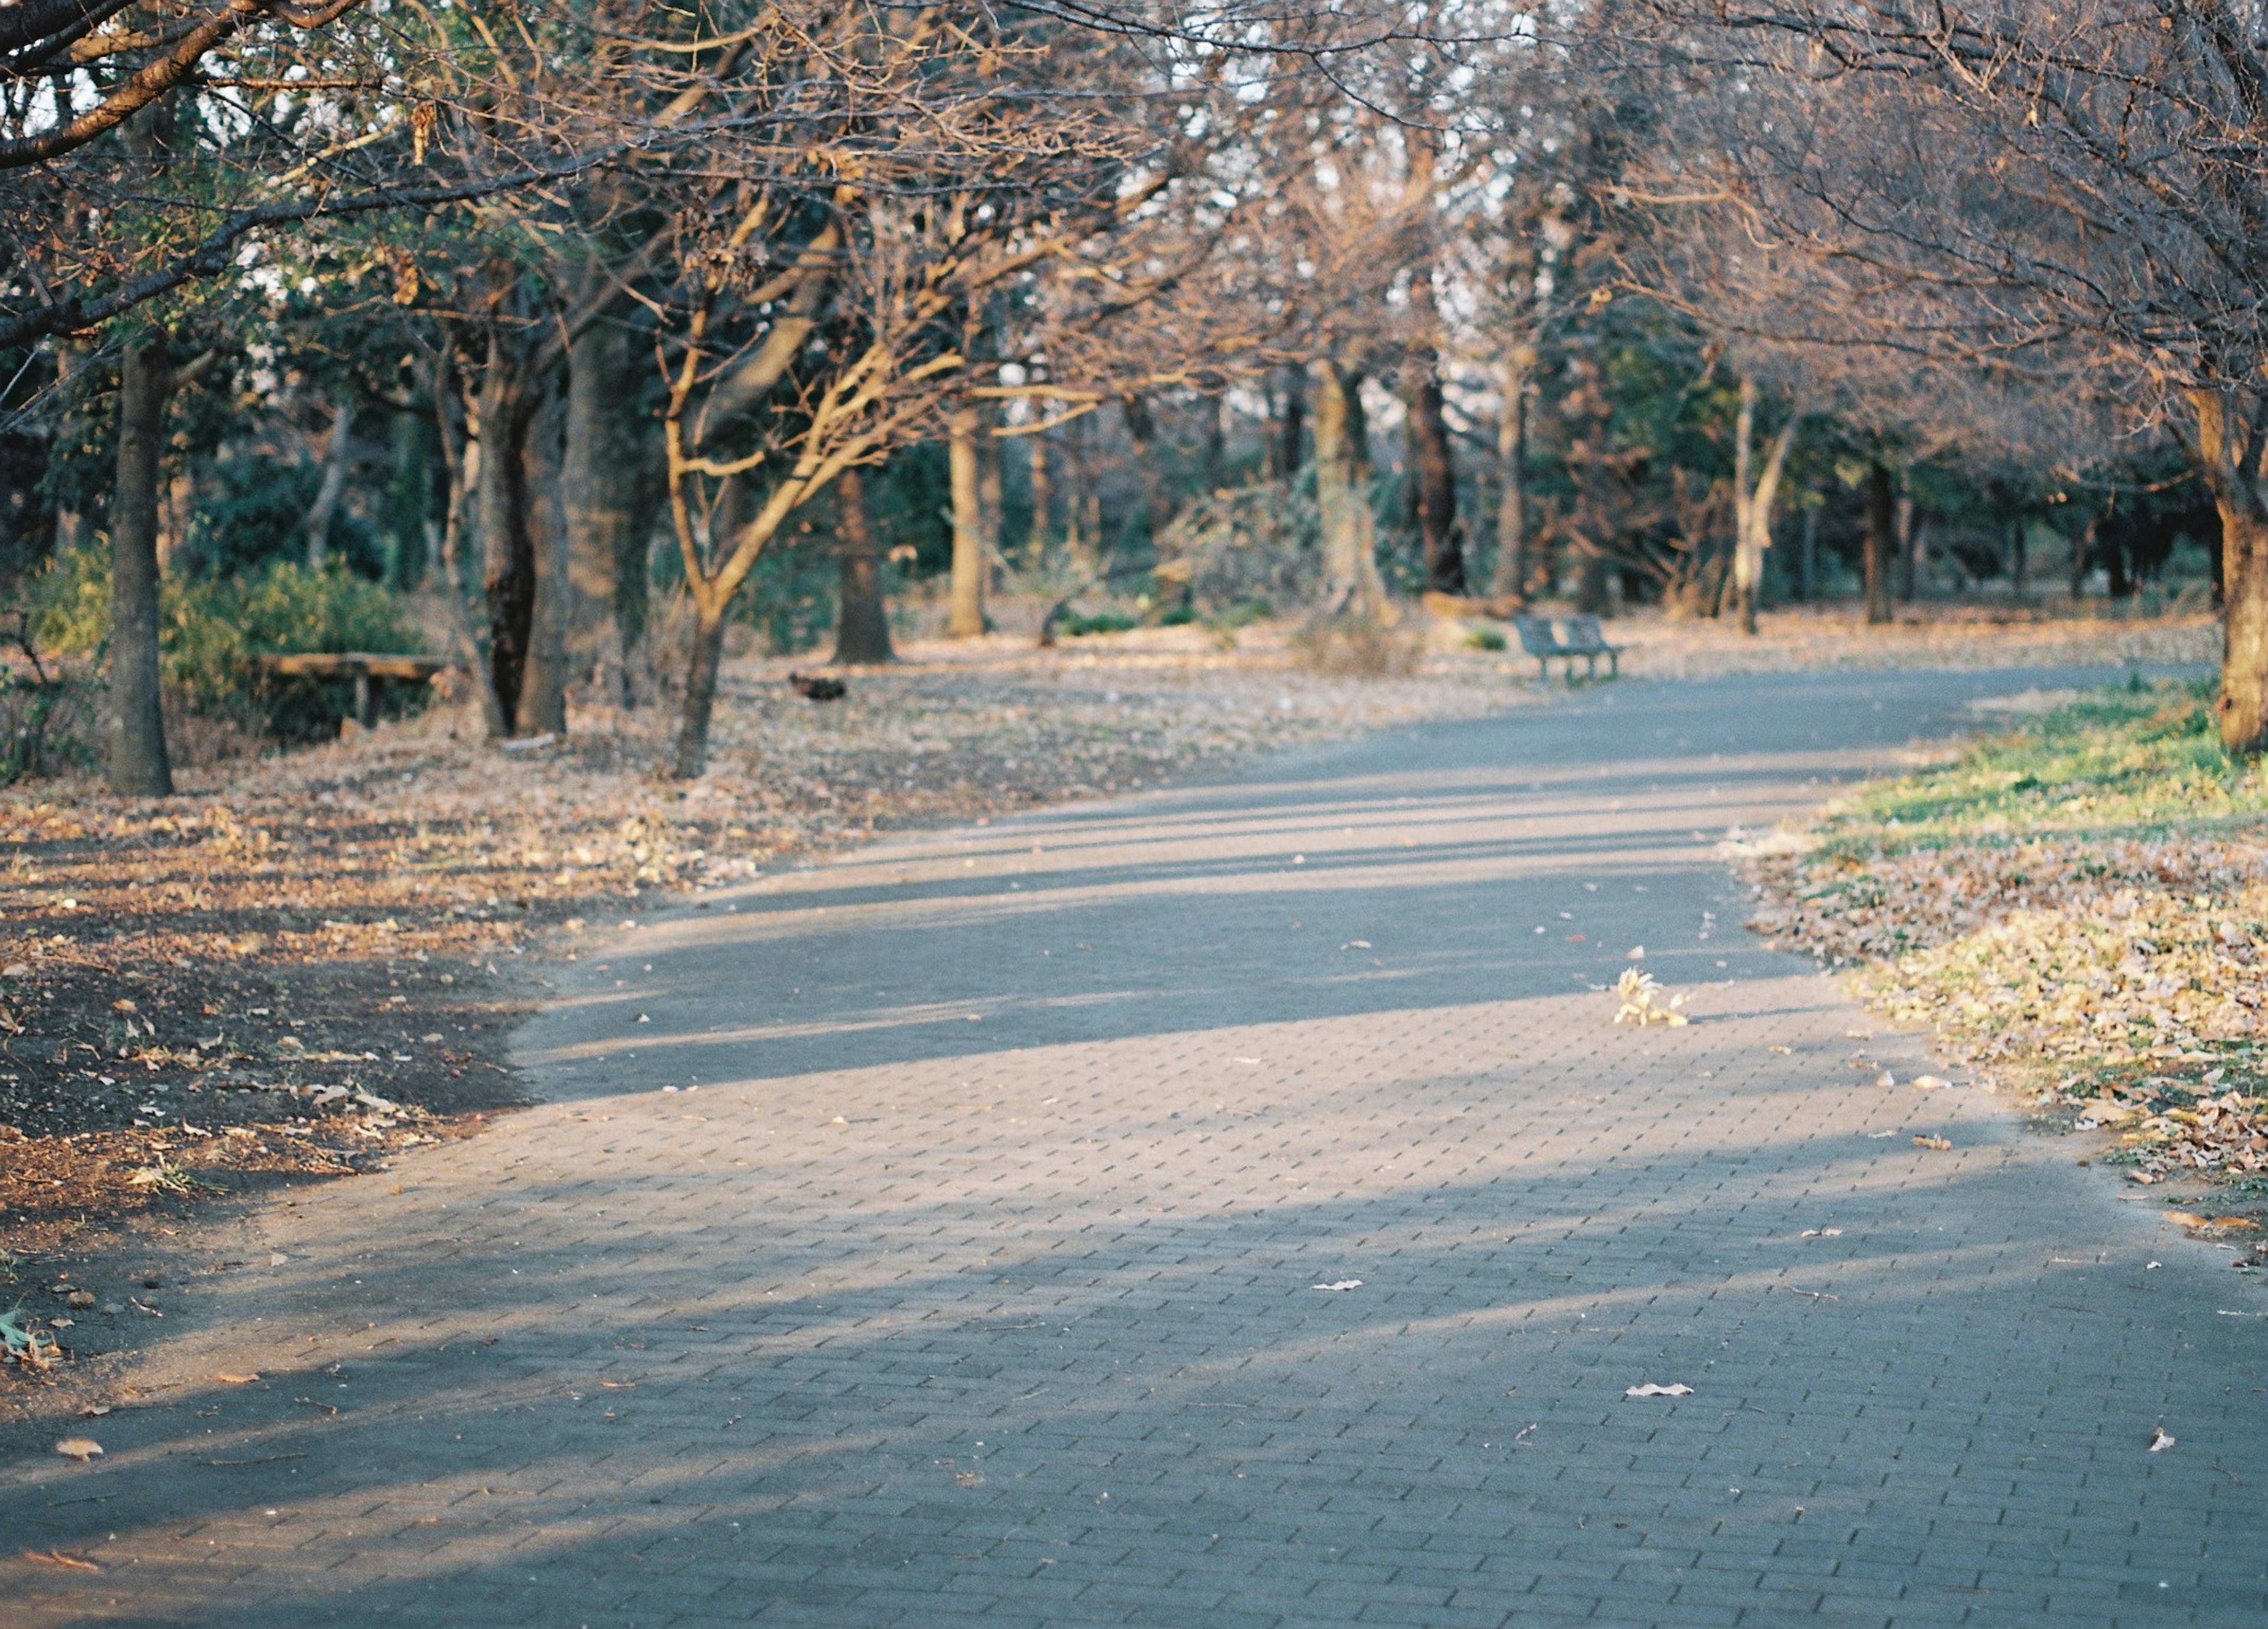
1227 1207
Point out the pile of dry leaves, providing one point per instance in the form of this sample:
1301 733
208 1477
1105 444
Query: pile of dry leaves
2121 978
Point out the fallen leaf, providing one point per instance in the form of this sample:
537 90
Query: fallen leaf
1933 1142
1783 1051
970 1479
277 1258
1338 1283
1929 1082
2160 1441
1636 953
1886 1079
56 1558
81 1299
81 1449
1651 1390
229 1377
94 1411
1356 944
1821 1233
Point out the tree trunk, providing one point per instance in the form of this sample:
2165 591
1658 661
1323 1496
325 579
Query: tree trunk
862 621
544 682
1903 526
965 613
1352 585
507 553
2017 541
1212 444
1881 542
2231 432
1142 438
335 481
1752 500
1441 542
1291 427
992 490
1806 582
700 694
1043 495
599 480
139 766
1511 576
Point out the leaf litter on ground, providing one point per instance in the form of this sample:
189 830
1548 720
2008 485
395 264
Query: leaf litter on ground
2078 907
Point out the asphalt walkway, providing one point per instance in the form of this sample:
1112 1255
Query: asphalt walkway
1219 1208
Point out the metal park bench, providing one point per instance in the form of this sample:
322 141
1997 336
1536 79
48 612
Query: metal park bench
367 669
1567 638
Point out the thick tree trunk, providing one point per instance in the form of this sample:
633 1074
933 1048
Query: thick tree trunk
1352 585
862 621
1806 582
544 682
139 766
507 552
334 479
599 481
965 611
700 695
1881 542
2232 429
2242 708
1511 575
1440 538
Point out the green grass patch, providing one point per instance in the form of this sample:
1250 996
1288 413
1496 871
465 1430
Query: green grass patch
2131 760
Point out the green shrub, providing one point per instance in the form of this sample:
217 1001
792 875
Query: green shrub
1103 622
212 629
1484 639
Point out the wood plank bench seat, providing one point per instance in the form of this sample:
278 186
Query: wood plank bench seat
367 668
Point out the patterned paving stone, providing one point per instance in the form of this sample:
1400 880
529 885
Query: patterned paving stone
934 1237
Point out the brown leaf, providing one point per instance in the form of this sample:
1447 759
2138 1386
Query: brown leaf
81 1449
56 1558
1933 1142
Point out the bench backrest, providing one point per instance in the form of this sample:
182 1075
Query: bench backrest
1581 634
1560 636
1537 636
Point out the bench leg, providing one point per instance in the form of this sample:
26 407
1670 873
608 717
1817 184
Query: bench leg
366 701
1614 664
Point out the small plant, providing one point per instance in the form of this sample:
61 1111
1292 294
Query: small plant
1079 627
1640 992
1484 639
33 1349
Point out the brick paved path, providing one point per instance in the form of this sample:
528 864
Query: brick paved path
975 1283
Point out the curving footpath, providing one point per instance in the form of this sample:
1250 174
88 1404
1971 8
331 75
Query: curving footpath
994 1259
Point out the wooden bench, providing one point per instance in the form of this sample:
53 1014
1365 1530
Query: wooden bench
1567 638
368 670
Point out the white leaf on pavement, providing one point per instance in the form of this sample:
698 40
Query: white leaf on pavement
1651 1390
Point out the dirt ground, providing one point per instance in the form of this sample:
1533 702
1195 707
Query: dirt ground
304 964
